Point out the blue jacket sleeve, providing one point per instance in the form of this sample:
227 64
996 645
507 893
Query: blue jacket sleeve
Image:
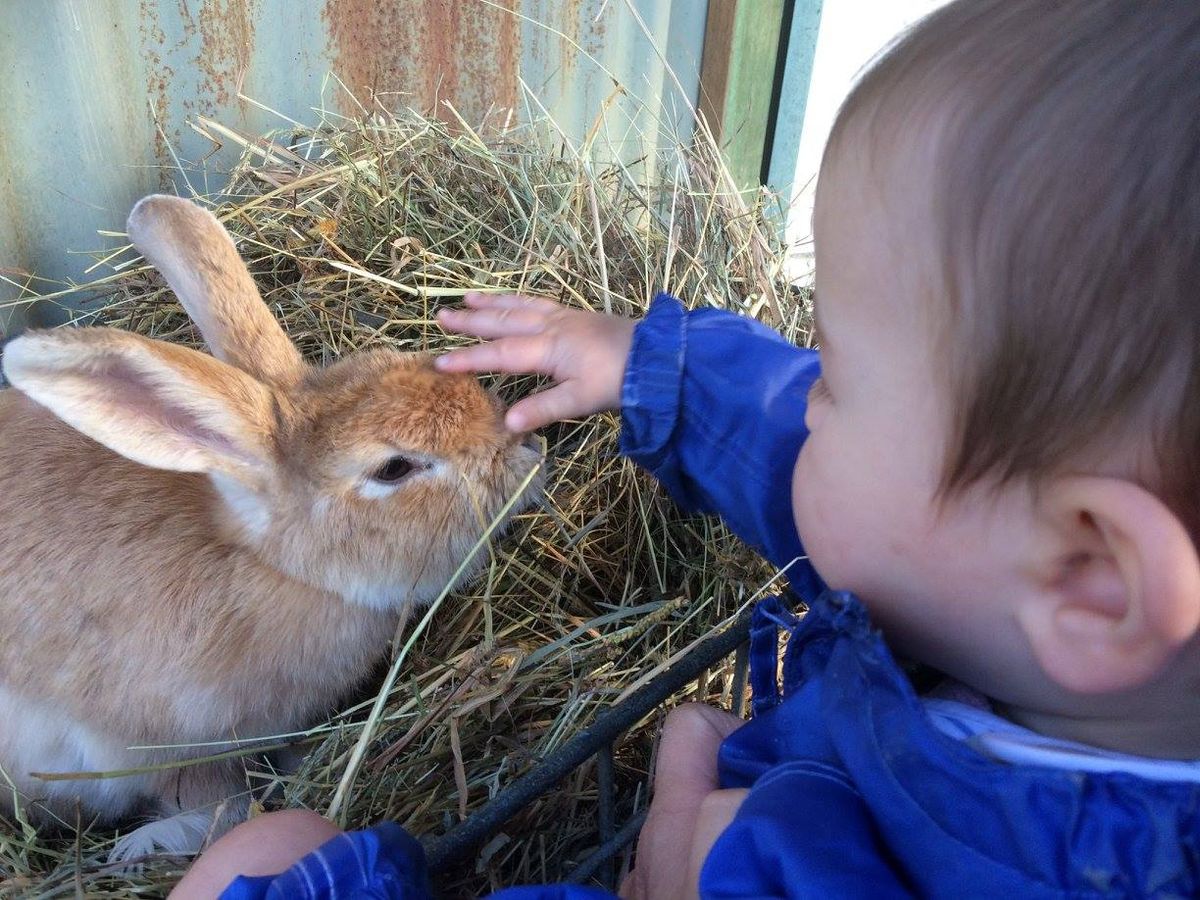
713 407
775 847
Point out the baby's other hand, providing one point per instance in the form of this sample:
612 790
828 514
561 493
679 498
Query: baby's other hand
584 352
689 811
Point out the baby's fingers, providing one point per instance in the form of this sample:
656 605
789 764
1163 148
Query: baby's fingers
476 300
553 405
513 355
716 813
493 322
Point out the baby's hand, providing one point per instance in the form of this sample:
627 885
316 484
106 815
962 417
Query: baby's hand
689 811
583 351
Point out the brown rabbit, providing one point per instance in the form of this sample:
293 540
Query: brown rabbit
198 549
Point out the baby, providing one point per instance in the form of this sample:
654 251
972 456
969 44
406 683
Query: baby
996 455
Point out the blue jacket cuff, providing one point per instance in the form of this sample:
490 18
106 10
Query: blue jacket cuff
653 383
381 862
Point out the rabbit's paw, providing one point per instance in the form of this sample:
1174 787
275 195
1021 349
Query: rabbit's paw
181 834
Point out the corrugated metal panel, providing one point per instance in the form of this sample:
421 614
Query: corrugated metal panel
97 93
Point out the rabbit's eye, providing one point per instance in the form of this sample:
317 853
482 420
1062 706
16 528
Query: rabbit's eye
394 469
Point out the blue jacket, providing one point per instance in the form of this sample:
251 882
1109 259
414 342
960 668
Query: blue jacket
852 790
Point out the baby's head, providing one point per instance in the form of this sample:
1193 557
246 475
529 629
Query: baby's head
1005 451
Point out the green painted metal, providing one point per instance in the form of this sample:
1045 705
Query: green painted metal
747 108
97 94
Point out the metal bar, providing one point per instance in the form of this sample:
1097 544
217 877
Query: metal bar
604 806
608 849
460 841
741 669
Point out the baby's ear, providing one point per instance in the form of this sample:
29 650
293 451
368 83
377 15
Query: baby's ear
1121 586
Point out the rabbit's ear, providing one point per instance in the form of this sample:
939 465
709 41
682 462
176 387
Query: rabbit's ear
197 257
158 404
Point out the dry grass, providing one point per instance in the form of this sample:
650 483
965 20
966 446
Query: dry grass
356 233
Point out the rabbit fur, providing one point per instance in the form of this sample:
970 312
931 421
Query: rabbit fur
199 548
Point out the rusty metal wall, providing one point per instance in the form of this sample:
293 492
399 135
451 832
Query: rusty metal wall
95 94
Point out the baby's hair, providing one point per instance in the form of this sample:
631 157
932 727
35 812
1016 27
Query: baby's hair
1066 161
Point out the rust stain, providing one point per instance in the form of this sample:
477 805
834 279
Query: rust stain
11 184
153 40
226 48
16 207
598 31
568 56
420 52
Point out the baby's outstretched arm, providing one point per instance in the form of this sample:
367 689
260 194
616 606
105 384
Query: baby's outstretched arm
712 403
584 352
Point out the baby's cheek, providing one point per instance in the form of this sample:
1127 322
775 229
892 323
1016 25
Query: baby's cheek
803 485
815 511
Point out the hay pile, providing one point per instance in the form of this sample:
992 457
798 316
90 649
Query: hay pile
356 233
